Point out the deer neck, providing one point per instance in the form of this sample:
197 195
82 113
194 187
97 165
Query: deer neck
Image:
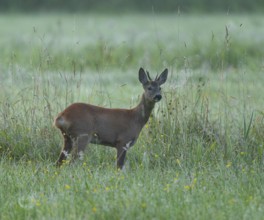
144 110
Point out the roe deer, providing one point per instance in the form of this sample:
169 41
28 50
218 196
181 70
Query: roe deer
82 123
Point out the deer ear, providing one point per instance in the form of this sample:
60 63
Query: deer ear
142 76
163 77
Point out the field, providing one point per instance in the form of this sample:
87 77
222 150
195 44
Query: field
201 154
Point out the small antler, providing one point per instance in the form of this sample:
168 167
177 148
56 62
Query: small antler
148 76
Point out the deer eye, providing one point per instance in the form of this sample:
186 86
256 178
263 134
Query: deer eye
149 88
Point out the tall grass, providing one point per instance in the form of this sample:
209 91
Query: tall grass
185 125
215 54
49 44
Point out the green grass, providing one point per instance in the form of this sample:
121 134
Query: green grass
78 192
199 157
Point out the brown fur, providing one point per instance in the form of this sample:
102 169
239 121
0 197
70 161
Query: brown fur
82 123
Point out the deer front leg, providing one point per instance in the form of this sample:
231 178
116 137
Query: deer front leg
65 150
121 155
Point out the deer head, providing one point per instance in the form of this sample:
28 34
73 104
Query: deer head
152 87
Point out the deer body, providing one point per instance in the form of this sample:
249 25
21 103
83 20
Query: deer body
82 123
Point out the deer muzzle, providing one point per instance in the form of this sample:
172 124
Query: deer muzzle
157 98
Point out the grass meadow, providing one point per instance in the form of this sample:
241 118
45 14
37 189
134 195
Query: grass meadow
201 154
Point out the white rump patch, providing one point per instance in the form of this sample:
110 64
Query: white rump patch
59 122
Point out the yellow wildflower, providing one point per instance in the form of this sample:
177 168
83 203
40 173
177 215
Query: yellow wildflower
229 164
107 188
67 186
187 187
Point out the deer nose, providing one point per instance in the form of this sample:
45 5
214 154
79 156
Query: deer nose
157 98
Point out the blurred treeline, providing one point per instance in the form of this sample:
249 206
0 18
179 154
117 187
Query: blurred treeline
119 6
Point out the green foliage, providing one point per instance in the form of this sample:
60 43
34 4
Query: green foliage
214 55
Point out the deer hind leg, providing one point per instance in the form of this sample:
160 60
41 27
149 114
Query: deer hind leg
68 144
79 145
